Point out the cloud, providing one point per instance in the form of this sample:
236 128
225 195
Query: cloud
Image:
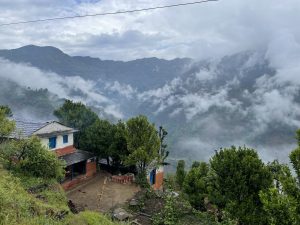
123 89
195 104
72 87
199 31
269 28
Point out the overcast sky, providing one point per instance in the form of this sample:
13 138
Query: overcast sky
197 31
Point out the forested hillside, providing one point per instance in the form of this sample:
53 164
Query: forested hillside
237 99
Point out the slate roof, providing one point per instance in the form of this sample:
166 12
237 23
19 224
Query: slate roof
26 128
54 128
77 156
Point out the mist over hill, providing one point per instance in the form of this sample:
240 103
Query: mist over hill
241 99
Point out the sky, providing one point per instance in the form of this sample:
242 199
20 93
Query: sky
199 31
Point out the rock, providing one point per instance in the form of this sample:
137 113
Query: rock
159 193
135 222
133 202
174 194
121 214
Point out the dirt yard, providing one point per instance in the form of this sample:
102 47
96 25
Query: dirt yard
101 194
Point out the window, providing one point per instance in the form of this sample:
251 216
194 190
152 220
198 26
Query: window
52 142
65 139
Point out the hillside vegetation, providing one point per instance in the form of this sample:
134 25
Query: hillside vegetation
29 191
21 204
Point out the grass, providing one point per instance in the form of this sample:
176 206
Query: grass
89 218
19 206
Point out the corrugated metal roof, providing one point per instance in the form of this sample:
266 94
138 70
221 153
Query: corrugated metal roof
77 156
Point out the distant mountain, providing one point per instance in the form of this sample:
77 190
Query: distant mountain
234 100
143 74
27 102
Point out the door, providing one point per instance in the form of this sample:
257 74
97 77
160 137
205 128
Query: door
152 177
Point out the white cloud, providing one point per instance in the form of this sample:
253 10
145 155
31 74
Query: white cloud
123 89
64 87
199 31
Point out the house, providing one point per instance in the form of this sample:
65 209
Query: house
80 165
155 177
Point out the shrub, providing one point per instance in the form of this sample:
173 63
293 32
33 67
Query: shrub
38 161
141 180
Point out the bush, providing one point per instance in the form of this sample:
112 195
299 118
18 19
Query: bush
169 214
38 161
141 180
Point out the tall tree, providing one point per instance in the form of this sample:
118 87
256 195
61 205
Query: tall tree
118 148
196 185
281 201
295 157
98 138
238 177
76 115
163 152
180 173
143 143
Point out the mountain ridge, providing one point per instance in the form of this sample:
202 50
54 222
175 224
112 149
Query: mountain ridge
204 104
49 58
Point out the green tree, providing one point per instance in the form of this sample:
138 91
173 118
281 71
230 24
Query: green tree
9 152
142 142
180 173
6 110
295 160
163 153
6 125
76 115
196 185
195 164
280 209
280 202
33 158
118 148
98 138
238 175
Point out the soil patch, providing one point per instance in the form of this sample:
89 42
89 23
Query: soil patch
101 194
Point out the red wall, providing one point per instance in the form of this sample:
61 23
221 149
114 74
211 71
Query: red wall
159 180
91 170
65 150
